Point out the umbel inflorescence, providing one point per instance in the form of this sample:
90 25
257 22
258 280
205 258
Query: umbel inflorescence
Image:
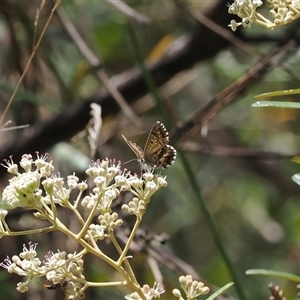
281 12
34 186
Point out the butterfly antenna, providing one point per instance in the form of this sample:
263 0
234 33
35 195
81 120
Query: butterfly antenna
129 161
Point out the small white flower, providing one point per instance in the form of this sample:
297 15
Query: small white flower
48 185
110 221
72 181
23 191
192 288
8 264
29 253
247 22
111 194
44 168
120 180
97 231
161 181
53 260
257 3
148 176
82 186
89 201
151 186
100 182
114 169
22 287
149 293
26 264
26 162
105 167
11 166
234 25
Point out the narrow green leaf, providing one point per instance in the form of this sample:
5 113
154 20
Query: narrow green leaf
220 291
280 104
278 93
273 273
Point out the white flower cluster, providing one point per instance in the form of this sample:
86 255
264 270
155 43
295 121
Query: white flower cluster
39 189
110 180
192 288
106 189
143 188
282 11
57 268
24 190
246 10
149 293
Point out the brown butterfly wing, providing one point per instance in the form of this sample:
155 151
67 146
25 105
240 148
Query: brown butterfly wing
157 152
157 139
164 157
135 148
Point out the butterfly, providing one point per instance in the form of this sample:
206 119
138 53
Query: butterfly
157 154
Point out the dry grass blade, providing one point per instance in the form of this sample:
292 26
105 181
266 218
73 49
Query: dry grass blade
210 109
123 7
14 127
94 130
35 47
95 62
201 18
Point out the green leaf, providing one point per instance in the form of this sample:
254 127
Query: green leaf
278 93
280 104
277 104
273 273
220 291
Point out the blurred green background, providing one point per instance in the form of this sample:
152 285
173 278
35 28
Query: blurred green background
240 159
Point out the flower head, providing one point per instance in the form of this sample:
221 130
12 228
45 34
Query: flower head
192 288
24 264
282 12
24 189
149 293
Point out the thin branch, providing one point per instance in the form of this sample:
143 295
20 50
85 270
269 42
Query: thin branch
226 34
207 111
129 11
95 62
34 50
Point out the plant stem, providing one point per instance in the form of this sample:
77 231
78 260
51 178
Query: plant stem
130 239
213 229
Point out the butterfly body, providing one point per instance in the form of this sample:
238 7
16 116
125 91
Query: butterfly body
157 154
